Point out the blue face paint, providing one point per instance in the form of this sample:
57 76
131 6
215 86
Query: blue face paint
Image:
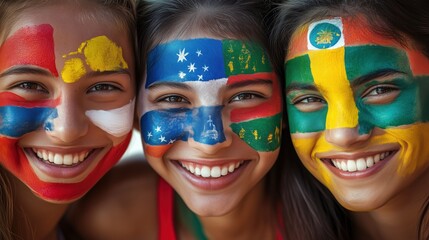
17 121
203 124
188 60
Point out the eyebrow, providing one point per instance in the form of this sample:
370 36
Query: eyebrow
169 84
104 73
246 83
300 86
371 76
24 69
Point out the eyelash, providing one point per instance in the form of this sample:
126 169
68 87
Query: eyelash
308 100
386 89
245 96
103 87
173 99
32 86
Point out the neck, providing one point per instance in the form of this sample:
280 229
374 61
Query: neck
397 219
35 218
254 218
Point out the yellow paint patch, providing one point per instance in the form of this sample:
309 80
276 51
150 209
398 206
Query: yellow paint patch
100 54
73 69
414 153
329 73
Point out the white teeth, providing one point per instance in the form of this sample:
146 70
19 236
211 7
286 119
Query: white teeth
211 172
61 159
360 164
351 166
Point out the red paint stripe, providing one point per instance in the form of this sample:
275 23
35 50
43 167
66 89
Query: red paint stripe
269 108
357 31
33 45
11 99
57 191
299 43
419 63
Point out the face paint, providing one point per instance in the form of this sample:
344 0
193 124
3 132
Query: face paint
33 45
94 52
374 86
19 116
119 123
210 64
27 126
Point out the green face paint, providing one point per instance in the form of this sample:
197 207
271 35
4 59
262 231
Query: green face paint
361 62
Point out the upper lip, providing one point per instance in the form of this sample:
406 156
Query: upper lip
210 162
356 155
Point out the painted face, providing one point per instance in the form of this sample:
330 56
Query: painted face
210 115
358 110
66 103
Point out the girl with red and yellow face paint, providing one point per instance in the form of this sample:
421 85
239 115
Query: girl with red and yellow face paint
358 105
66 103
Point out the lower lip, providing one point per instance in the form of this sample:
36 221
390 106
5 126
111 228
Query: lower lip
212 184
360 174
62 171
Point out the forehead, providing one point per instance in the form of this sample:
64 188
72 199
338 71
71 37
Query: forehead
360 42
333 33
71 25
204 59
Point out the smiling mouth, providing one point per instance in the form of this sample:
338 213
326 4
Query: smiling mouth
69 159
205 171
360 164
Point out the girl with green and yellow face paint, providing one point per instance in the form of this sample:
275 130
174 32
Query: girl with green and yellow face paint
357 82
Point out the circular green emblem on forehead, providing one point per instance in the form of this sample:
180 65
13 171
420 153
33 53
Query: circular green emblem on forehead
324 35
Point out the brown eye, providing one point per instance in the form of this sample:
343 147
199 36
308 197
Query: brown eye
174 99
32 86
103 87
245 96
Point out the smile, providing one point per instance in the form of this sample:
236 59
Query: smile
360 164
210 171
68 159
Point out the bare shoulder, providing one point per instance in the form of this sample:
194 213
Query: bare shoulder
121 206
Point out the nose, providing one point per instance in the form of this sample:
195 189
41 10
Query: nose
208 134
70 123
345 137
211 149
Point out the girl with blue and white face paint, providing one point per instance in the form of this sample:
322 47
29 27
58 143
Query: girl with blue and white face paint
210 118
210 115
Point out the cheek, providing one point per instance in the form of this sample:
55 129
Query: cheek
116 122
413 140
19 116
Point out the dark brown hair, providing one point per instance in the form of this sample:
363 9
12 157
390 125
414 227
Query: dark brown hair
318 214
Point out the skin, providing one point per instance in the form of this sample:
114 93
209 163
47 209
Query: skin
225 206
363 99
52 79
239 101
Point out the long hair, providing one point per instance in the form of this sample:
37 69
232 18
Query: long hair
319 215
160 20
120 12
6 206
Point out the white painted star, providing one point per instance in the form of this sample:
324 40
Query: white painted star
200 77
182 56
162 139
182 75
206 68
149 134
199 53
172 141
191 67
158 129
